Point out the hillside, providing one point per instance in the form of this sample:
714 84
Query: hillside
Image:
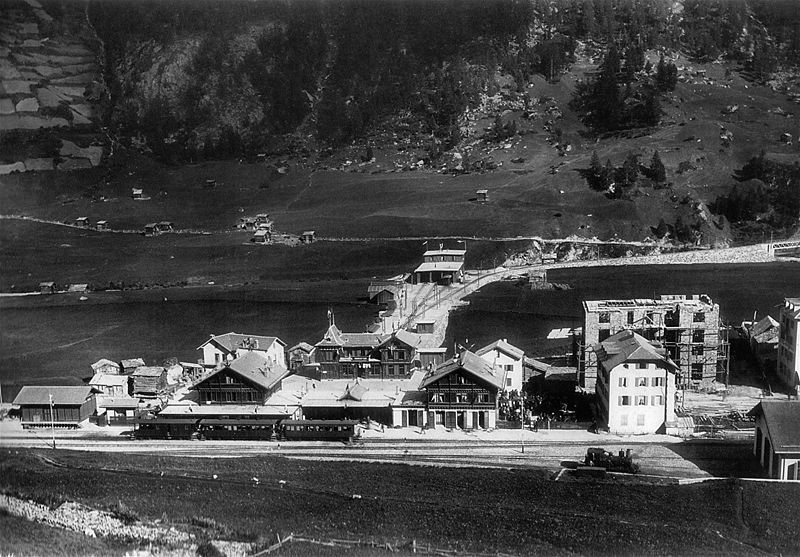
324 103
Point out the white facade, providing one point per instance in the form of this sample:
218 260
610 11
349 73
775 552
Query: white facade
223 349
636 397
503 361
789 343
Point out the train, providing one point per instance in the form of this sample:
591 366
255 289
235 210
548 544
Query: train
245 429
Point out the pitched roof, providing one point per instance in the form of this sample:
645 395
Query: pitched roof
763 326
109 380
472 364
304 346
503 346
356 391
233 341
133 362
443 266
148 371
255 368
103 362
335 337
627 346
70 396
783 423
413 340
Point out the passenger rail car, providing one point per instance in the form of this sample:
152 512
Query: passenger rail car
245 429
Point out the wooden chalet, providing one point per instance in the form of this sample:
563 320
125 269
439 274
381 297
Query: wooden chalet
308 237
251 378
149 381
383 292
151 229
399 354
138 194
106 366
102 225
165 226
300 355
71 406
483 196
82 222
110 384
348 355
261 236
463 392
47 287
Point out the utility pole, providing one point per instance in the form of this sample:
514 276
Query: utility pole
52 420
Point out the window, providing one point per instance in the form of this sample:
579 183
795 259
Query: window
699 336
623 381
509 367
641 365
698 350
391 370
508 381
625 400
657 382
650 318
641 400
658 400
697 372
483 397
630 318
605 317
603 334
640 419
699 317
400 355
623 420
641 381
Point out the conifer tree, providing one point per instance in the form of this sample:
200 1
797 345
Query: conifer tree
596 181
657 171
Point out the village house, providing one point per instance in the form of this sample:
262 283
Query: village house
110 384
687 326
483 196
789 343
386 292
777 438
503 355
164 226
635 389
102 225
149 381
261 236
442 266
300 355
71 406
82 222
191 371
251 378
764 336
248 223
221 349
463 392
398 354
138 194
117 410
151 229
130 365
308 237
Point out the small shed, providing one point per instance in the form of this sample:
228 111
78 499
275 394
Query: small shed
210 184
81 288
106 366
102 225
307 237
151 229
71 406
47 287
248 223
425 327
261 236
165 226
82 221
483 195
265 225
137 194
262 218
149 381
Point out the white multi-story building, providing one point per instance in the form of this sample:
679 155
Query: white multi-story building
222 349
507 358
635 386
789 343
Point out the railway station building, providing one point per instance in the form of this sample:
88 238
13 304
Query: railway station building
442 266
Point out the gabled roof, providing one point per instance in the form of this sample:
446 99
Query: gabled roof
304 346
103 362
356 391
627 346
335 337
234 341
782 418
408 338
443 266
109 380
68 396
133 362
763 326
471 363
149 371
503 346
253 367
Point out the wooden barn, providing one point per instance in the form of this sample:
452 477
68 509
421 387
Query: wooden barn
307 237
149 381
71 406
47 287
130 365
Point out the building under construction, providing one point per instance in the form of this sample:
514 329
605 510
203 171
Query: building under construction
688 327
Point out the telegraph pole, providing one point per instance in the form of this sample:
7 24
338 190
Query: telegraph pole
52 420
